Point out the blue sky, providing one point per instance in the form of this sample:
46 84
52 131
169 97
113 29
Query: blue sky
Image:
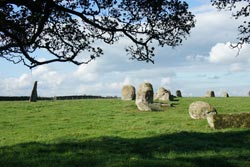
203 62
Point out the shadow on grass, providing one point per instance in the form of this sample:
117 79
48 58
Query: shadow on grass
174 104
228 149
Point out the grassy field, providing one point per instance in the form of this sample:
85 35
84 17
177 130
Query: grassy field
113 133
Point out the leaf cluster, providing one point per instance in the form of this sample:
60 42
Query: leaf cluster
69 28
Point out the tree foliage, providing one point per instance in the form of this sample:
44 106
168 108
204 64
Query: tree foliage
69 28
242 8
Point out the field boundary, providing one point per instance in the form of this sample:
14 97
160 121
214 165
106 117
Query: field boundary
71 97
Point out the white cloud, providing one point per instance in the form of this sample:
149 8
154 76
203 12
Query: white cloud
16 86
48 81
101 88
214 77
196 66
47 76
196 58
87 89
127 81
166 81
40 70
223 53
22 81
235 67
88 72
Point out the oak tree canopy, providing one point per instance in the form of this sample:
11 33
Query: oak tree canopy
67 28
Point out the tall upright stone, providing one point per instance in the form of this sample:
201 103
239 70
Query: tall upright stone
144 97
128 92
33 96
178 93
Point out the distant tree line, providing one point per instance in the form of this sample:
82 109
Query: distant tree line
73 97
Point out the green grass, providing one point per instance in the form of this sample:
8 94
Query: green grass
113 133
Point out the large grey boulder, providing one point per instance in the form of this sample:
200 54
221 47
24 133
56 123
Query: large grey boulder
33 96
201 110
210 93
128 92
144 97
163 94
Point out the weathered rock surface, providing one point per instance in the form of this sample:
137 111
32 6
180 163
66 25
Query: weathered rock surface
178 93
210 93
221 121
144 97
128 92
163 94
201 110
33 96
225 94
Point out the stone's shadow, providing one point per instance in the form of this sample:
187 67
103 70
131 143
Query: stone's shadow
223 149
174 104
175 99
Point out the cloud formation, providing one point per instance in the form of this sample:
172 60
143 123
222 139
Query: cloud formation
87 73
224 53
204 61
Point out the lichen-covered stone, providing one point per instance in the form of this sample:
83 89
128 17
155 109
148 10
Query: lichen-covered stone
221 121
163 94
128 92
144 97
210 93
225 94
200 110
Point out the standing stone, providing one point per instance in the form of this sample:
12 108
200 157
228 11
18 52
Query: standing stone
178 93
144 97
248 93
210 93
163 94
225 94
201 110
128 92
33 96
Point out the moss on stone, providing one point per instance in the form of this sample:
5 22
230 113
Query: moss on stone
221 121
